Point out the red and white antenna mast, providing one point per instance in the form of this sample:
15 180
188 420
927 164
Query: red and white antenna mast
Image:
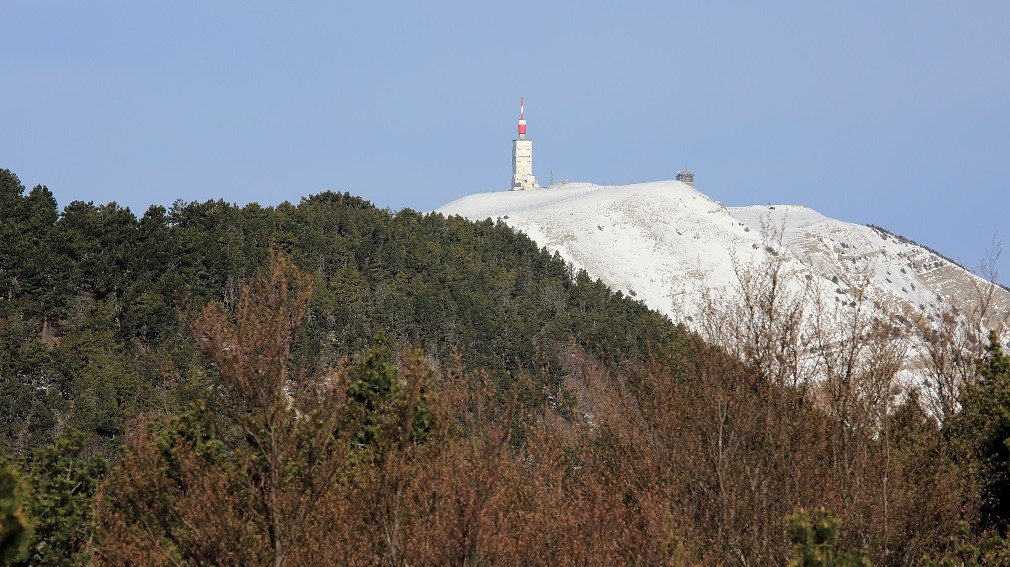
522 156
522 120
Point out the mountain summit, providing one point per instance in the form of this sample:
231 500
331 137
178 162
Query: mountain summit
675 248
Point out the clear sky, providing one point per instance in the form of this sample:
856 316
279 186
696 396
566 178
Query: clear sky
884 112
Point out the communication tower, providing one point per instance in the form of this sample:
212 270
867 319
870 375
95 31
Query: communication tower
522 157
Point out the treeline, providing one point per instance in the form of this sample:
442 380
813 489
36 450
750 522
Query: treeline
330 383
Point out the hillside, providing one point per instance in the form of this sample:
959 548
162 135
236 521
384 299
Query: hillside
673 247
91 298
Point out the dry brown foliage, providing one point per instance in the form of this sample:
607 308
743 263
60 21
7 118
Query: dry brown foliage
257 503
694 458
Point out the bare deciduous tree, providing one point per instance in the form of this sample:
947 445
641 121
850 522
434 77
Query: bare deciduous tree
953 345
254 500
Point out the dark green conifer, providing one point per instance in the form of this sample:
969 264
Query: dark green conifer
814 537
15 530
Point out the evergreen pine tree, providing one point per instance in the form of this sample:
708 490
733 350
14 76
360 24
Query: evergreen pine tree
984 423
15 530
814 537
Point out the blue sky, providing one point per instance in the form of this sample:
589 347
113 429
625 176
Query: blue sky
883 112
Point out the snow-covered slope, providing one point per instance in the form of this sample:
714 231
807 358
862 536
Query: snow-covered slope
669 245
900 274
659 242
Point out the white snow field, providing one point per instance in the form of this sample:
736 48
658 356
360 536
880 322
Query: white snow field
669 245
659 242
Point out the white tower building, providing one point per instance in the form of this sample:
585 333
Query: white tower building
522 157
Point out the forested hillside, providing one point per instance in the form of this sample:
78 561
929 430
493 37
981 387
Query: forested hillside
90 299
330 383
